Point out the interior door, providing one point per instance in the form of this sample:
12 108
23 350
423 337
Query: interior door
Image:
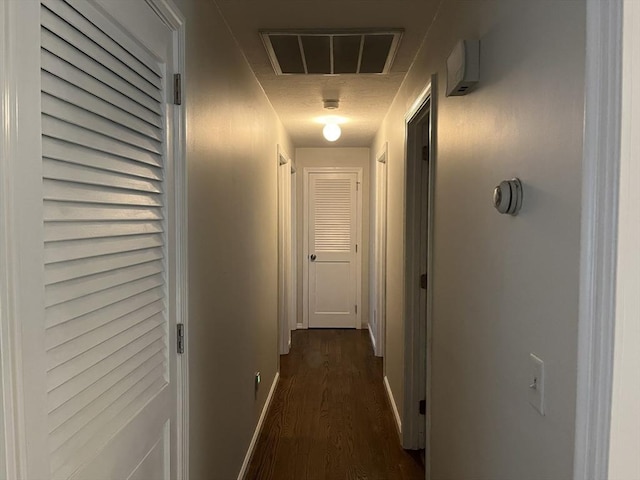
332 247
109 285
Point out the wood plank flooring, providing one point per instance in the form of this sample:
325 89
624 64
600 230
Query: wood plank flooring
330 418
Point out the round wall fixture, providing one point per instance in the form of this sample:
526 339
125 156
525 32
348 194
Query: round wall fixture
507 197
331 132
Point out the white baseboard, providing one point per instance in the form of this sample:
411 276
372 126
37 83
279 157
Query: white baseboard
256 434
373 339
394 407
300 326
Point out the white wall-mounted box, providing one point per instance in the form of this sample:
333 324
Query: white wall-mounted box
463 67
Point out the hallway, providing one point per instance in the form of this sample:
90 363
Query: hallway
248 239
329 418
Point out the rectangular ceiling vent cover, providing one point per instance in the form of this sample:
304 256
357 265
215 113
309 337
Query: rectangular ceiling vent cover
303 52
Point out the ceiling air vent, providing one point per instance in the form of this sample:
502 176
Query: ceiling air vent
303 52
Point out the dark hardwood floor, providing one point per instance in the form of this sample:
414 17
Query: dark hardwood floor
330 418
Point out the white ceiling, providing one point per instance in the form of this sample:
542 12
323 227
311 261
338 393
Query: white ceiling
364 99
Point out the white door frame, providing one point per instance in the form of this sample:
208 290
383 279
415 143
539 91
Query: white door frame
379 277
305 241
177 193
600 180
285 280
417 313
21 293
293 309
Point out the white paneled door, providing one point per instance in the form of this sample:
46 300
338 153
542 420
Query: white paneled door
100 387
332 244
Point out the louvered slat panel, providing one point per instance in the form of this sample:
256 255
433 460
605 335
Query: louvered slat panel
98 54
73 75
57 231
69 457
105 292
58 88
69 113
68 331
63 292
67 351
76 403
77 212
65 372
65 11
73 250
59 272
76 154
75 192
67 52
70 390
52 127
332 215
90 303
75 424
70 172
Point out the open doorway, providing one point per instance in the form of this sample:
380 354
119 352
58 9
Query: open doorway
418 265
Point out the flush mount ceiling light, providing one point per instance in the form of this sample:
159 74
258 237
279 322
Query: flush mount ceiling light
332 52
332 132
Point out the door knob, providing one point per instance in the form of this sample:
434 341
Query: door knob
313 257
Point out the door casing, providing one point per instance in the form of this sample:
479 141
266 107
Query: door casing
286 279
379 277
418 261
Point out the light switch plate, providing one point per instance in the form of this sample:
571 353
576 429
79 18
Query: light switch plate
536 383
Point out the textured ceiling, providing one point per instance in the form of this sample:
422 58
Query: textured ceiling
364 99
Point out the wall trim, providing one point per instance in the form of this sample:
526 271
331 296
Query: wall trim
256 433
394 407
600 177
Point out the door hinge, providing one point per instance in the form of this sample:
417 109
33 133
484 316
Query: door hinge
356 309
423 281
422 407
425 152
180 337
356 248
357 186
177 89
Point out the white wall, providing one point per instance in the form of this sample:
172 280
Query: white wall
335 157
232 133
504 287
624 461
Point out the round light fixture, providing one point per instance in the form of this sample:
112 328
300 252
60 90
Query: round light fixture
331 132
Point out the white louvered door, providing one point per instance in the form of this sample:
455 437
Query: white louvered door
332 238
109 313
